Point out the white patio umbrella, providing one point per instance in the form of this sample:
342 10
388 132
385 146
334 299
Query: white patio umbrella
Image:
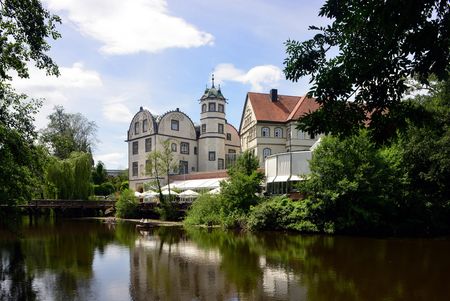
166 192
214 191
137 194
149 195
188 194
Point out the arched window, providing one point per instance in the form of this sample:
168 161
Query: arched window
267 152
204 107
265 132
278 132
173 146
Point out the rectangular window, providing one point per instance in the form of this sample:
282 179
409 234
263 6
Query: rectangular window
136 128
221 108
146 166
231 151
195 150
184 148
220 164
135 169
148 145
212 107
228 136
203 128
145 125
184 169
220 128
174 125
135 147
212 156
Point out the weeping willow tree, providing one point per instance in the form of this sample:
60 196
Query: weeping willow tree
70 178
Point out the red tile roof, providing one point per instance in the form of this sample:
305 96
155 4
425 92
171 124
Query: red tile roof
286 108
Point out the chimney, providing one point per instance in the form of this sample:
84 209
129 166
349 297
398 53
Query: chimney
273 95
178 109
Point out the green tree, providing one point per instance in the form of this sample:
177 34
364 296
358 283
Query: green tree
359 64
352 186
127 204
21 160
426 159
67 133
244 181
24 29
161 164
71 177
99 175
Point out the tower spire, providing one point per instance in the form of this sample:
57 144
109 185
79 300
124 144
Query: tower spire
212 81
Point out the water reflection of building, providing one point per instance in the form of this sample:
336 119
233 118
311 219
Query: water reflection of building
183 271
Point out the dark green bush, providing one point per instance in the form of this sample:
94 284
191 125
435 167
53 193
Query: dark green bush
206 210
127 204
281 213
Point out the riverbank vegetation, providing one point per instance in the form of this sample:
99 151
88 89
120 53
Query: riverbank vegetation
356 185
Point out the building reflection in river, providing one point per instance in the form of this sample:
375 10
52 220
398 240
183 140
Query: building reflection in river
184 271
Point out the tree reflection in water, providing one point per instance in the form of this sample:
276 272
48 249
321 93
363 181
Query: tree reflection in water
62 261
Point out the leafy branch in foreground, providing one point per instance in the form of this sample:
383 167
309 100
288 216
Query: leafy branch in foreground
359 64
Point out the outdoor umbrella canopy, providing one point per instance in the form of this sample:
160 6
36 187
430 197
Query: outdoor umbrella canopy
166 192
214 191
189 194
150 193
137 194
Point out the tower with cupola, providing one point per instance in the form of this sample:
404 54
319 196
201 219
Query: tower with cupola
211 143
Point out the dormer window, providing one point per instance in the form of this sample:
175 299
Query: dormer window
145 125
174 125
136 127
212 107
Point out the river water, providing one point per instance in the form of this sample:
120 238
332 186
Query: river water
90 260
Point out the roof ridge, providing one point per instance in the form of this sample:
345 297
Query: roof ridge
296 108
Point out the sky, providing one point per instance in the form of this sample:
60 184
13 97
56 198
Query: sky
116 56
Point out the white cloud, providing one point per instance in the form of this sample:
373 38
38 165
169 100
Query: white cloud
76 76
259 77
110 159
126 27
117 112
60 90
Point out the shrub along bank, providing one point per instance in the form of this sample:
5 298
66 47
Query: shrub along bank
355 186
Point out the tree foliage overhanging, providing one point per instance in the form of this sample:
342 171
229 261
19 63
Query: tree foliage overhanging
25 27
359 64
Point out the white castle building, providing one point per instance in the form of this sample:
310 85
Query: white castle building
209 146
